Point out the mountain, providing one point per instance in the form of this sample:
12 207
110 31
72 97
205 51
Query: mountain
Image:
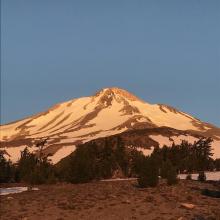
108 112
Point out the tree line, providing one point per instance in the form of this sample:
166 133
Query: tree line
93 161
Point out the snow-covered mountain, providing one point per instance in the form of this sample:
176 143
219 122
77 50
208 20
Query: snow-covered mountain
110 111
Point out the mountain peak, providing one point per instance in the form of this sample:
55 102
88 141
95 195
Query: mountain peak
117 91
109 112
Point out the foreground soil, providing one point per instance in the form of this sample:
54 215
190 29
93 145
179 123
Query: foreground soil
111 200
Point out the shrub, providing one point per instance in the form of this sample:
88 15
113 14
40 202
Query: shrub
172 176
189 177
149 174
201 176
166 166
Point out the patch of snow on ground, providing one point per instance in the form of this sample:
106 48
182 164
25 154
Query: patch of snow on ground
215 176
118 179
6 191
11 190
209 176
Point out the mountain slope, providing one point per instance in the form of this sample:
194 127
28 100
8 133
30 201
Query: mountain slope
110 111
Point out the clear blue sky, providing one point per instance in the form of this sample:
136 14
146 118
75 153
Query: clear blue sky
162 51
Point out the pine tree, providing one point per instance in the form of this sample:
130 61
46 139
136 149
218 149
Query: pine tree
121 156
172 176
149 174
201 176
166 166
137 160
26 165
34 170
107 161
83 165
7 170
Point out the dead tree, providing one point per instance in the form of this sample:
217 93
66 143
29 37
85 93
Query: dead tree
41 144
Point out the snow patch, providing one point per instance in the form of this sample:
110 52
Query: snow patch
11 190
146 152
209 176
168 141
61 153
216 149
161 140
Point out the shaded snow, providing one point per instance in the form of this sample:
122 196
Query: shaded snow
11 190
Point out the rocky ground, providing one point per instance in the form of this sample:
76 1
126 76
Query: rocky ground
112 200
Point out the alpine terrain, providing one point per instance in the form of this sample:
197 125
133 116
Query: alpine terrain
109 112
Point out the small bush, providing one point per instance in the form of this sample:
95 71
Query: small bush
189 177
172 176
201 176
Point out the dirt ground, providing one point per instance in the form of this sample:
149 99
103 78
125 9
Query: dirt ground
111 201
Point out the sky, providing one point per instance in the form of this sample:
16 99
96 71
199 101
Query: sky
162 51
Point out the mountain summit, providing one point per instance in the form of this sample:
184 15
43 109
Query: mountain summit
110 111
117 91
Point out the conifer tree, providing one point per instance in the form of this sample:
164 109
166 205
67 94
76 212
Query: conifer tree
171 176
149 174
201 176
121 156
166 166
7 170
